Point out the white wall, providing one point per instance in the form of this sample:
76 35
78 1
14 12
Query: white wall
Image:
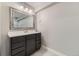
59 25
4 41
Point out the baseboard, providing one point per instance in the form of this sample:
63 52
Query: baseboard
54 51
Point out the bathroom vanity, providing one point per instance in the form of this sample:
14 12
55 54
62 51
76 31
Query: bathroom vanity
24 44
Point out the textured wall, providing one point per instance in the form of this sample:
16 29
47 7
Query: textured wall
59 25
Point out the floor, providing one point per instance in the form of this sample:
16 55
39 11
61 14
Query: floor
43 52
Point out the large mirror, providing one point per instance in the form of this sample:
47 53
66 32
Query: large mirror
21 20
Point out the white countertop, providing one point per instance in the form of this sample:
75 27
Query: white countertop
20 33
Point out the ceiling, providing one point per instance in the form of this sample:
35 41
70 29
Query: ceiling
38 5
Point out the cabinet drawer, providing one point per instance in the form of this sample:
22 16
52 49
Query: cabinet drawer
17 39
31 36
15 51
22 53
17 45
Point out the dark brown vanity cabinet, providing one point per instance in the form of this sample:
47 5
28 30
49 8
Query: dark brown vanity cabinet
25 45
30 44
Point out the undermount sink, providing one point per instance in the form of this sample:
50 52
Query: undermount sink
20 33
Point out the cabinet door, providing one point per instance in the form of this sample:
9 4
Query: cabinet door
30 44
17 45
38 41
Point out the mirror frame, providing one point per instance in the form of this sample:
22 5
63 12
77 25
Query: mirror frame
21 28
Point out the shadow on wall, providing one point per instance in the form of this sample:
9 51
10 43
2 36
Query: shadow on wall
43 41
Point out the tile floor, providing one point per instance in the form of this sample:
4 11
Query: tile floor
43 52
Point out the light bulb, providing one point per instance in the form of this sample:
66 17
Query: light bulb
26 9
22 7
30 11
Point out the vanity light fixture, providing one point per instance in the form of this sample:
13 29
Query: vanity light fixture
26 9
